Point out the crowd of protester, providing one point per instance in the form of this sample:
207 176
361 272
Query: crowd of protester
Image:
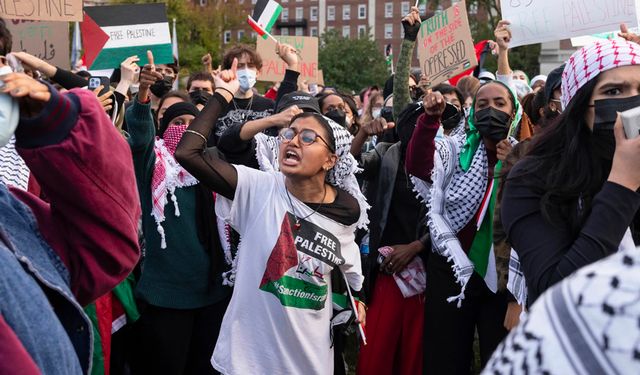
149 230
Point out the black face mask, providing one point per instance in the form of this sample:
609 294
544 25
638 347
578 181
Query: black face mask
606 113
387 114
338 116
492 123
199 97
161 87
451 117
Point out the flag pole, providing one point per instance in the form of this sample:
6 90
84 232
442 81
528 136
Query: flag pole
262 29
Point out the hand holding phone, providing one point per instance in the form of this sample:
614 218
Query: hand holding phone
631 122
95 82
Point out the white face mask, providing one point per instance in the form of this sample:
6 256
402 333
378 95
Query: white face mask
376 112
9 113
247 79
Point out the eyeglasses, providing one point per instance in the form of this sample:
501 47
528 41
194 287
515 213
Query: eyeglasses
306 136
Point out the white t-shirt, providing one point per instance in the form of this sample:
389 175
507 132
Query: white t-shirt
278 320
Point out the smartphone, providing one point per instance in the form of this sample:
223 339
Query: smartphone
631 122
94 82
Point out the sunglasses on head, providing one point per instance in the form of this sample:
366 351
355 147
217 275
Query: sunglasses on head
306 137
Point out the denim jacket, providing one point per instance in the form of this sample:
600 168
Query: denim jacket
35 296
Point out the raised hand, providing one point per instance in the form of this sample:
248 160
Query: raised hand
434 104
288 54
105 99
226 81
503 34
411 24
627 35
129 69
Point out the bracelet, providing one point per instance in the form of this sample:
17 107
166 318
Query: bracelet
229 91
196 133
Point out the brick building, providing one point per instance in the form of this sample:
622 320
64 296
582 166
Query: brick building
352 18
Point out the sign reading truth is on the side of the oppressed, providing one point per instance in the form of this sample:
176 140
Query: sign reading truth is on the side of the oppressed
539 21
43 10
445 46
48 41
273 67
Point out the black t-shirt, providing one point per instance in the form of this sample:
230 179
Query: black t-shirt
241 111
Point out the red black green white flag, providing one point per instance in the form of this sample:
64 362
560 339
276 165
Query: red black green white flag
110 34
265 14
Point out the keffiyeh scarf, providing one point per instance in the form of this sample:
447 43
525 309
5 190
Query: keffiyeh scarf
342 175
167 176
458 191
586 324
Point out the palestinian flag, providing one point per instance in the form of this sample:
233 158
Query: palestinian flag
110 34
265 15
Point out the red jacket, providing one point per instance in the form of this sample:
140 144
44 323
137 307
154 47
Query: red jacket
85 169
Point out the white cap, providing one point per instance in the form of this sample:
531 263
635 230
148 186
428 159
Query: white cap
486 76
537 78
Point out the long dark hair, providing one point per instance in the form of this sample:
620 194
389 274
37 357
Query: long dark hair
562 166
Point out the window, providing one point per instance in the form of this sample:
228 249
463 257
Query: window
299 13
313 31
346 12
227 36
404 8
313 13
284 31
299 31
331 13
388 10
284 16
362 31
473 8
240 34
388 30
362 11
253 1
254 35
346 31
330 28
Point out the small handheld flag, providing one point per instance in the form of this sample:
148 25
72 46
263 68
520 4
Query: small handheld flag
265 15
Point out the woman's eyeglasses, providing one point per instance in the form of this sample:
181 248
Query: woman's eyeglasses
306 136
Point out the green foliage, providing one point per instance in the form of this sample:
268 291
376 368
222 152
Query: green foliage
351 64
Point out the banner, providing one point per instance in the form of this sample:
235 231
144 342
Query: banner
445 46
273 67
42 10
538 21
110 34
48 41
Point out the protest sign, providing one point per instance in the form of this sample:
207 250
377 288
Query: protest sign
538 21
582 41
48 41
43 10
110 34
319 78
445 46
273 67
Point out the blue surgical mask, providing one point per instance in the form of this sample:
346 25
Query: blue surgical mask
9 113
247 79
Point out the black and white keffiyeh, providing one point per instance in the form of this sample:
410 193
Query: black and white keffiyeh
453 198
586 324
13 170
342 175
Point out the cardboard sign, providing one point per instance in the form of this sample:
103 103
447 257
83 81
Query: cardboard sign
273 67
110 34
538 21
43 10
48 41
445 46
320 78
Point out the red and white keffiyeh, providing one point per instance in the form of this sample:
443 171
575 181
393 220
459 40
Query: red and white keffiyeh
167 176
589 61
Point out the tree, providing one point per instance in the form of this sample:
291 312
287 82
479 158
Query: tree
351 64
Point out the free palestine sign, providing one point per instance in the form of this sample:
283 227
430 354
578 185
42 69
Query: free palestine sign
110 34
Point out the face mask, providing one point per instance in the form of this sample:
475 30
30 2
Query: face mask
199 97
160 88
452 121
376 112
492 123
247 79
338 116
606 113
9 113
